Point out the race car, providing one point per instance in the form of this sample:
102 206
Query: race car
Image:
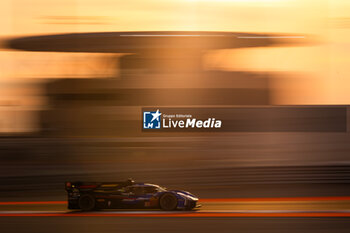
89 196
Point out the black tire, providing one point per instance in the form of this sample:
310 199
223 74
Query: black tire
168 201
87 202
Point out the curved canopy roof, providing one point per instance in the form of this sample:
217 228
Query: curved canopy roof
134 42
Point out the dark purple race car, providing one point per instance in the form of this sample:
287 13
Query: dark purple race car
89 196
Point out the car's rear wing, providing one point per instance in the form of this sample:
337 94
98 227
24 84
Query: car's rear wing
80 185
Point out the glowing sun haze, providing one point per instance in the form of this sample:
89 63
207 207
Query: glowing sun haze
325 65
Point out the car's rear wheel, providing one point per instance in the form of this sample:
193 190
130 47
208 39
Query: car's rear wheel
168 201
87 202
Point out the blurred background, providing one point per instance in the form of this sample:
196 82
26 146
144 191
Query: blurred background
68 115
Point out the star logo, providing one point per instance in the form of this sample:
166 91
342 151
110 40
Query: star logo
156 115
151 120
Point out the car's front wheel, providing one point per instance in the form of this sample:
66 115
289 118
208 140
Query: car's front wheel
87 202
168 201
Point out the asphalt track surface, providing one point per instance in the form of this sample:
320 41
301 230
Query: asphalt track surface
309 214
247 199
190 224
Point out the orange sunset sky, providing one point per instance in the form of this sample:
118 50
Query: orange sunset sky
322 68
